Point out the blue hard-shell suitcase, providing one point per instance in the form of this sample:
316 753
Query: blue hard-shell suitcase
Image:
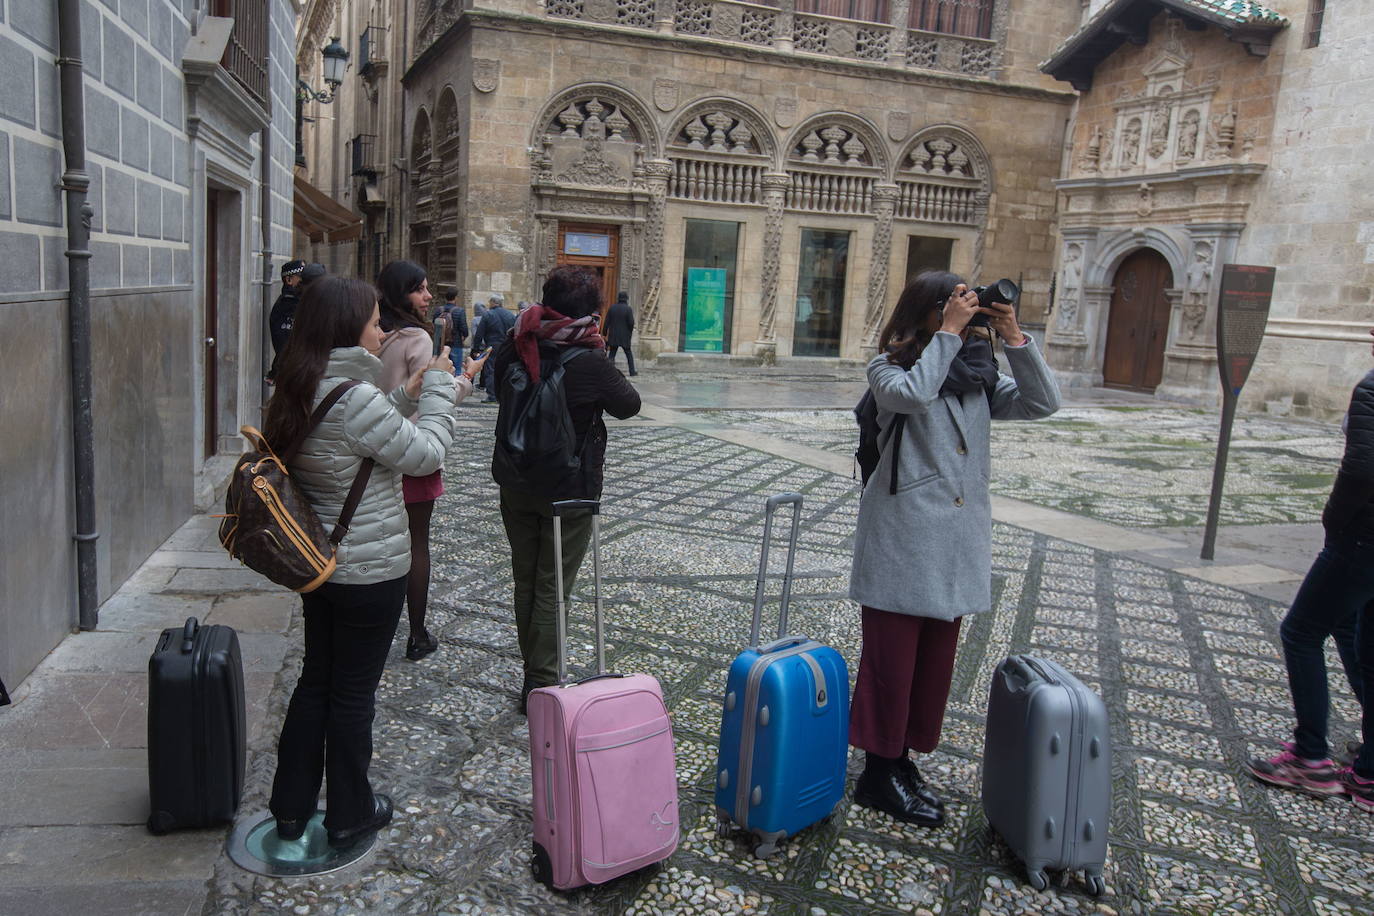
784 731
1047 769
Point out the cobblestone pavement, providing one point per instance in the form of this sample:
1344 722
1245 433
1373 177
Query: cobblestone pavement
1190 672
1135 466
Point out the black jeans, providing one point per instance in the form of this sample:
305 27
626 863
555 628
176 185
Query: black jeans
328 727
629 357
1339 584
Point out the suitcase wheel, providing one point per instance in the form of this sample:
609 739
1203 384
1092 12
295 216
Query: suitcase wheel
1096 886
160 822
542 866
1039 880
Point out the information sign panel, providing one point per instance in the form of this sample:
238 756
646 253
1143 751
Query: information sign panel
588 244
705 325
1243 310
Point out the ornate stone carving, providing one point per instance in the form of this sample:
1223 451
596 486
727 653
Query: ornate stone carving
695 132
656 176
593 169
923 53
1199 284
1224 134
486 74
1159 132
589 118
841 40
941 156
775 187
617 124
811 35
1146 199
665 94
570 9
757 27
1130 143
725 23
719 123
871 44
1092 155
884 205
1187 135
601 10
898 125
784 111
1071 276
976 60
636 13
693 17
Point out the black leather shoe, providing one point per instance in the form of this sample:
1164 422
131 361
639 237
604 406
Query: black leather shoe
418 647
291 830
381 816
907 767
887 791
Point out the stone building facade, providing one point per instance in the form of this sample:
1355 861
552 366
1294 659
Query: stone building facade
174 156
1207 134
759 179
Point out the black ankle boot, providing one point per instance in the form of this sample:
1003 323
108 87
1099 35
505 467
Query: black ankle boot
380 817
884 787
918 783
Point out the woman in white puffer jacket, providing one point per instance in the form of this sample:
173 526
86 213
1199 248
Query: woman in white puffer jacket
351 619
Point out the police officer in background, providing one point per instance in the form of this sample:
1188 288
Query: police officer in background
283 312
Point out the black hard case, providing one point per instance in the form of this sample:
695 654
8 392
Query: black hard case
197 732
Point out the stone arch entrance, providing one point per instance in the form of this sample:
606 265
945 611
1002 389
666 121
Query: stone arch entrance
1138 322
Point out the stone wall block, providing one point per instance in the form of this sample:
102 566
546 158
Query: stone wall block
119 59
160 267
102 123
36 20
160 29
161 151
173 210
133 136
18 261
149 210
104 265
54 262
119 202
135 13
6 208
94 196
90 39
37 171
149 79
49 100
173 110
135 259
16 102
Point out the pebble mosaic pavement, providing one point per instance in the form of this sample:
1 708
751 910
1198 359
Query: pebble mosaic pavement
1190 672
1135 466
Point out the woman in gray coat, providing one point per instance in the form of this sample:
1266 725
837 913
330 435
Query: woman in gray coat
923 554
349 620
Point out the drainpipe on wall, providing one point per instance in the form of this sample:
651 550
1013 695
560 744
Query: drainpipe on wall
76 182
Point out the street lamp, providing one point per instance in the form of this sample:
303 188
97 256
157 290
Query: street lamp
335 61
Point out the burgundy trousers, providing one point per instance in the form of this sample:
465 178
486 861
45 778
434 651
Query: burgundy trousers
905 672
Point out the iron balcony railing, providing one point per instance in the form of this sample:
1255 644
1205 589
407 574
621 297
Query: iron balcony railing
246 55
361 148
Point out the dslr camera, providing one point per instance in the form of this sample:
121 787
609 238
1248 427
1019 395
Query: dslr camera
1003 291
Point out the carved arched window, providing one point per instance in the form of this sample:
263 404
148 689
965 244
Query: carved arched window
446 133
421 172
593 135
943 177
720 150
833 163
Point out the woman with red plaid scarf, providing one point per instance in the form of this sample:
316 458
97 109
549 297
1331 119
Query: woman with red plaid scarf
543 335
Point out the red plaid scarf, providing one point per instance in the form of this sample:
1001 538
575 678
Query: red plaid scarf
539 322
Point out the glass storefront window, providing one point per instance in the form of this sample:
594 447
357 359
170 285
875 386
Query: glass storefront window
820 292
708 285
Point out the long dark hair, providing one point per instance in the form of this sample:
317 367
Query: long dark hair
395 283
908 330
332 313
572 291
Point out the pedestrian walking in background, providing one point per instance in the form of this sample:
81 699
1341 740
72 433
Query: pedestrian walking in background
351 619
1335 600
497 322
923 555
405 299
567 319
283 314
457 318
620 326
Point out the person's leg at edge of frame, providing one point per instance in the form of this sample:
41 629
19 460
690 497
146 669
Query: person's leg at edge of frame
365 620
1322 604
879 717
930 684
1358 779
630 360
420 642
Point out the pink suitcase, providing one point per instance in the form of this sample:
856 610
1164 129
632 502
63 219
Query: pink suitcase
602 759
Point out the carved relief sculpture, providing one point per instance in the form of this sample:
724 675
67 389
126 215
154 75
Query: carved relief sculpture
665 94
1187 135
1093 153
486 74
884 206
656 173
1071 276
1130 143
774 196
1199 282
1159 132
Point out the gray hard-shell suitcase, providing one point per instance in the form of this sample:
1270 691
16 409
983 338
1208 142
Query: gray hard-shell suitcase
1047 769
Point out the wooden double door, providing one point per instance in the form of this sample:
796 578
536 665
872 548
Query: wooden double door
596 247
1138 323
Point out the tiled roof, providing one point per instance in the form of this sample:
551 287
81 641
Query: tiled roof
1239 11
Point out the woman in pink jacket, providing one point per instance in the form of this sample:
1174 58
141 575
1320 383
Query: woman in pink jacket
408 346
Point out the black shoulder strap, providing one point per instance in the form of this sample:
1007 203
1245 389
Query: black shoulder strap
898 427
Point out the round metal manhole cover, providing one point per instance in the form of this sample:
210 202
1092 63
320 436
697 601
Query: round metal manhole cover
255 846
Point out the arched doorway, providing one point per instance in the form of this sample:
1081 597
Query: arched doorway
1138 323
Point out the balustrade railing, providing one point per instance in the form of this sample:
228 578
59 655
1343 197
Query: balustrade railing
935 203
716 182
825 192
246 54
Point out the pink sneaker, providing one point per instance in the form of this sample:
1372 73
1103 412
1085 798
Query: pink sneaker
1289 771
1360 790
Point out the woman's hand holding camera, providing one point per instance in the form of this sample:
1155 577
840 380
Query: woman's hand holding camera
440 362
958 310
473 366
1002 319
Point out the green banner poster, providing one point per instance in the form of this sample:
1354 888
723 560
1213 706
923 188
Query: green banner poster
705 328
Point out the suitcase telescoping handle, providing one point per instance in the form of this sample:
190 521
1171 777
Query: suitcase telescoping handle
782 499
1028 670
559 508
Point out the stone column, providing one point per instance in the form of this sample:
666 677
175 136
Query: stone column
775 185
782 33
896 46
884 205
656 174
664 16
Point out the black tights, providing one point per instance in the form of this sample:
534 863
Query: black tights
417 582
